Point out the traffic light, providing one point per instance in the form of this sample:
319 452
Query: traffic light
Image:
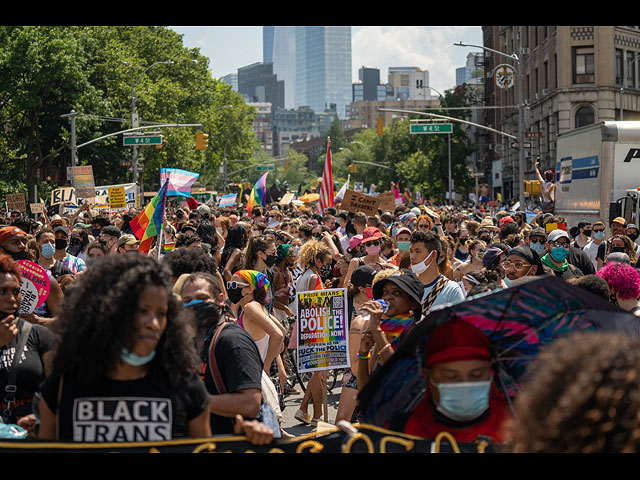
380 125
202 141
353 168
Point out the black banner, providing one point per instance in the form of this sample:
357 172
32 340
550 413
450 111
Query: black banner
366 439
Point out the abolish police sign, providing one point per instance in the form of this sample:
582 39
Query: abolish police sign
34 286
322 330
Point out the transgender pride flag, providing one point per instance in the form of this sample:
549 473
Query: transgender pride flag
180 181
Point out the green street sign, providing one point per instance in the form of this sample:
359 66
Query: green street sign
143 140
265 168
431 128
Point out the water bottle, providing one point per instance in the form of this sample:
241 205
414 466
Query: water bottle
366 316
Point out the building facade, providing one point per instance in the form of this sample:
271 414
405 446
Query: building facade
571 76
258 83
323 67
279 48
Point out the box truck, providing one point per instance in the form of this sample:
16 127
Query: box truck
598 173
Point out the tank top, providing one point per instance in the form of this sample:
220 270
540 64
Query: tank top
262 344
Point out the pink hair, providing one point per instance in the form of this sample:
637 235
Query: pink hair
623 279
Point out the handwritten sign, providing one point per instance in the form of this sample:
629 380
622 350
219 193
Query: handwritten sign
83 181
64 195
359 202
34 287
37 207
387 201
16 201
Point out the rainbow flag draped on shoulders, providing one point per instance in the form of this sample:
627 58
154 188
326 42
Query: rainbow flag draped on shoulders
258 195
148 223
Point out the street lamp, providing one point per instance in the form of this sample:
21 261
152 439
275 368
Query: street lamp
134 115
521 166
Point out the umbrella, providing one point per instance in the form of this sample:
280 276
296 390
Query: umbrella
518 321
309 197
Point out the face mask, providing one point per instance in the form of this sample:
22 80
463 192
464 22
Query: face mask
235 295
598 235
75 245
136 360
373 250
48 249
325 270
537 247
633 236
369 292
559 254
422 266
507 282
95 232
404 246
617 249
270 261
61 243
587 232
463 401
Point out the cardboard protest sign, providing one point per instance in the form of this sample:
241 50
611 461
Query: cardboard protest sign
16 201
83 181
64 195
387 201
37 207
322 333
286 199
34 286
359 202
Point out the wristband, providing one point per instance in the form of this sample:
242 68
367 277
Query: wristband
388 345
364 357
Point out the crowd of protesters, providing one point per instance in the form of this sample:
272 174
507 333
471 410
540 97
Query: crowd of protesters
214 299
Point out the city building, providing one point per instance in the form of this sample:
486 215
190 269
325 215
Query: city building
292 126
365 114
279 48
263 125
231 79
258 83
323 67
408 83
369 86
572 76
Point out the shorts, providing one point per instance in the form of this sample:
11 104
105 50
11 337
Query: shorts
349 380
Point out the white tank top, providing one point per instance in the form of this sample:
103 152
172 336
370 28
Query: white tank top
263 345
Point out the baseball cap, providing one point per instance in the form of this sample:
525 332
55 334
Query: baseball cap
402 230
456 340
355 241
127 239
538 232
204 210
619 220
370 233
62 229
7 232
492 253
363 275
406 280
554 235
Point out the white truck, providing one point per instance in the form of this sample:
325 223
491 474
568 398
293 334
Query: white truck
598 173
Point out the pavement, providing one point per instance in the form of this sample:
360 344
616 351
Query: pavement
292 402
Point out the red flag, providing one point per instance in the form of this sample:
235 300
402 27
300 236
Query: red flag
192 203
326 189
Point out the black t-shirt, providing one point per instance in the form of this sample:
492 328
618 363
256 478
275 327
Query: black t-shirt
30 370
125 410
238 361
580 259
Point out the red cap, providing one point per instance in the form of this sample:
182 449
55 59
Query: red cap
504 221
370 233
457 340
7 232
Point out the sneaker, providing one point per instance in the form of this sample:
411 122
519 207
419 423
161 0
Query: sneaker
290 391
302 417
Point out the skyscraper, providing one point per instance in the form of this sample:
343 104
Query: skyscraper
279 47
323 67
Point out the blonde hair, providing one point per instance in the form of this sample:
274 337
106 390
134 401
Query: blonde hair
382 274
310 251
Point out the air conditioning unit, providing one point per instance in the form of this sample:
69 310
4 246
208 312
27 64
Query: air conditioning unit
545 91
525 51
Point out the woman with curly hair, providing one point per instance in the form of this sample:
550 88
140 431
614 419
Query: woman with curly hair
624 285
622 243
126 368
583 396
232 256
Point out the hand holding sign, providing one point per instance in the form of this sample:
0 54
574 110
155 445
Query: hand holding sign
34 287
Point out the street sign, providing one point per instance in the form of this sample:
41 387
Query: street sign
143 140
516 145
265 168
431 128
532 134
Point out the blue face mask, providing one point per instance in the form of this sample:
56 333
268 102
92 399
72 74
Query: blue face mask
464 401
559 254
404 246
537 247
48 249
598 235
136 360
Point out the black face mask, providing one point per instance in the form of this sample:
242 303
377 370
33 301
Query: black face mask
235 294
75 246
270 261
21 255
633 236
207 316
617 249
587 232
325 271
61 243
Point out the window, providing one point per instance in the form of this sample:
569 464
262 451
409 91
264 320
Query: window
630 70
583 65
584 116
619 67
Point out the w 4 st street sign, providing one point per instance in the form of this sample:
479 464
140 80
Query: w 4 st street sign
431 128
143 140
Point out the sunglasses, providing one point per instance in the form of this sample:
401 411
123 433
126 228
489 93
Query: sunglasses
233 285
537 240
518 264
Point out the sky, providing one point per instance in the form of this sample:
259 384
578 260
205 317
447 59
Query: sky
429 48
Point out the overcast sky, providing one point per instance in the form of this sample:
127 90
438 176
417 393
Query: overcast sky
429 48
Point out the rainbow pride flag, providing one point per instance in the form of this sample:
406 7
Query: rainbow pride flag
258 194
148 223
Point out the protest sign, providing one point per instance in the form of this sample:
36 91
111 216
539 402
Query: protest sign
16 201
83 181
359 202
227 200
387 201
34 286
286 199
37 207
322 330
117 198
63 195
